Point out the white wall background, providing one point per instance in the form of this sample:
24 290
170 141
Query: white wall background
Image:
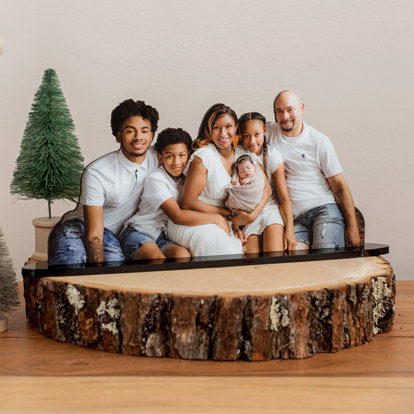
351 62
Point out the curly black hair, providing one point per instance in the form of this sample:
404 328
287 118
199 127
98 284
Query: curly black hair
171 136
129 108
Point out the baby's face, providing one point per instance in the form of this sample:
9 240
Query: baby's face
246 169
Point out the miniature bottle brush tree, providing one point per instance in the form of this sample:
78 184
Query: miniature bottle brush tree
8 284
50 163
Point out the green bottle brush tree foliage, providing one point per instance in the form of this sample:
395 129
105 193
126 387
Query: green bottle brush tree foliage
8 285
50 163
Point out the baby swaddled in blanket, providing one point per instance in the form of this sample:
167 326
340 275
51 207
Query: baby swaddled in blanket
247 186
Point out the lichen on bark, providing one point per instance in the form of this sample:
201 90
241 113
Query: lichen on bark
279 316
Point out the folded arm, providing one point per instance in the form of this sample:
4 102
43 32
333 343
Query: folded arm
194 184
191 217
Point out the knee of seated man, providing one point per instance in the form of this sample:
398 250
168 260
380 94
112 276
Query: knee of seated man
71 229
329 234
328 227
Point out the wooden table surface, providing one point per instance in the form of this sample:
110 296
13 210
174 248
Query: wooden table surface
39 375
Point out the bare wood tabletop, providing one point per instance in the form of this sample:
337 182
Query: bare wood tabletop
40 375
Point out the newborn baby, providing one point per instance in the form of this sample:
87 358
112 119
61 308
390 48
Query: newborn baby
244 171
247 185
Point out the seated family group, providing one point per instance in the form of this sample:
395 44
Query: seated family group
243 185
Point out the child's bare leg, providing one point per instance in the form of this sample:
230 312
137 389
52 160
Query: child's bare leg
273 238
149 251
177 252
253 244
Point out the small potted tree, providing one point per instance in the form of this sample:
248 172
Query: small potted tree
8 285
50 163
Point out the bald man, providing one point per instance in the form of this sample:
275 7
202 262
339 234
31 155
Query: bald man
320 196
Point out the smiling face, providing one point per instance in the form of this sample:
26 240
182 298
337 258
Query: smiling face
288 112
135 138
252 135
223 132
174 158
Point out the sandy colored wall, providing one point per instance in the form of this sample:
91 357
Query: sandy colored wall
351 62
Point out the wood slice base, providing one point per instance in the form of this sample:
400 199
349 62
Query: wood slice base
284 310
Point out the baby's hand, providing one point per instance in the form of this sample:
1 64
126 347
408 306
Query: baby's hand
245 181
235 181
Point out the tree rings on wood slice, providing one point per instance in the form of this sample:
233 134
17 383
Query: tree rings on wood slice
259 312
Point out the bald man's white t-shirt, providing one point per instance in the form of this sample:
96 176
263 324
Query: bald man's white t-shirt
310 159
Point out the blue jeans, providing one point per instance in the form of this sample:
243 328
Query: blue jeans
321 227
66 244
132 240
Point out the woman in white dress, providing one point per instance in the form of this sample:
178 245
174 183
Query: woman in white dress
209 173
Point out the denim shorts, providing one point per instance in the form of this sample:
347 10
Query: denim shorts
321 227
132 240
66 244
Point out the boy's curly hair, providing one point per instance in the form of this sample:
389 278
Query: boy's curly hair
129 108
170 136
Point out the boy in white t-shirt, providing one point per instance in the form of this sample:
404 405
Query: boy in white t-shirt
144 234
110 190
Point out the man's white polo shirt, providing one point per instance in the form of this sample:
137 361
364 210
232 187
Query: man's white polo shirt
116 184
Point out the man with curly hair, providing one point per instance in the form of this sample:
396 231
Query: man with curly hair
110 191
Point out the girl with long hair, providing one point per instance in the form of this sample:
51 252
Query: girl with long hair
273 229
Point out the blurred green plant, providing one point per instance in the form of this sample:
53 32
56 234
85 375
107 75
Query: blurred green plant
8 285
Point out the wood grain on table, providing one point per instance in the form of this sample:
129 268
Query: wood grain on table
40 375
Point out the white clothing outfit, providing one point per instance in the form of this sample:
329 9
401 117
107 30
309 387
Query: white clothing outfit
116 184
268 216
208 239
310 159
270 213
159 187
